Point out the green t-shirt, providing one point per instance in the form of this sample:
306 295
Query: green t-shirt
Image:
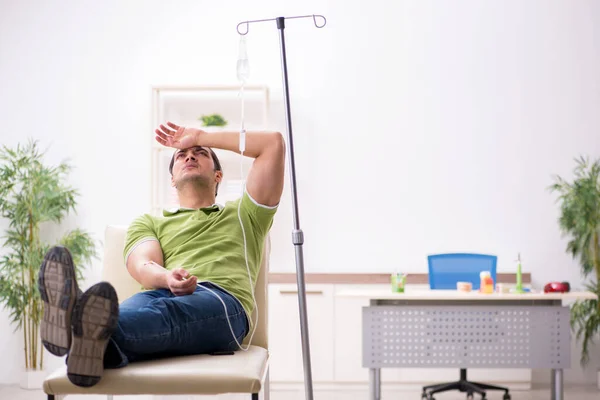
209 244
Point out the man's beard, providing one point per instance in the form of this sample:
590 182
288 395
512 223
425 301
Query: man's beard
196 181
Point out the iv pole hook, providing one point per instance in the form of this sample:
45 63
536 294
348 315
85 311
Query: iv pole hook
313 16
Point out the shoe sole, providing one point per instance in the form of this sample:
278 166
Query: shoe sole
58 290
94 320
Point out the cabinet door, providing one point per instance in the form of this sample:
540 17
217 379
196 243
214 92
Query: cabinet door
348 337
285 343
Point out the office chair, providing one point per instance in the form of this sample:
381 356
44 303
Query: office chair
444 271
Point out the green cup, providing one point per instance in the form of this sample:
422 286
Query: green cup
398 283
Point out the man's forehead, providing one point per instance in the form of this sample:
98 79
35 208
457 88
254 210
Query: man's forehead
191 148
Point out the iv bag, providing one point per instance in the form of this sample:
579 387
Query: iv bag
243 66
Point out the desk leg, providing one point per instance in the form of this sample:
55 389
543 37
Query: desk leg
552 385
375 383
557 384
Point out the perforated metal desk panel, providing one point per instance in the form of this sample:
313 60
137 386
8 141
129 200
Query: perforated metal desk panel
462 336
441 328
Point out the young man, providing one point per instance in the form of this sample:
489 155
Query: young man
194 263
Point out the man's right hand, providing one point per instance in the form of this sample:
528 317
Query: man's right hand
180 282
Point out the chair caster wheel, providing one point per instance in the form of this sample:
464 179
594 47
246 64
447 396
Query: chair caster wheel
424 396
470 396
506 396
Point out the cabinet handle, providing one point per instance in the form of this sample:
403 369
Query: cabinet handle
296 292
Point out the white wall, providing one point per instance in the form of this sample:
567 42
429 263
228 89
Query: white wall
420 126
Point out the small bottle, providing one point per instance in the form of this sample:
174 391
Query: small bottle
487 283
519 285
398 282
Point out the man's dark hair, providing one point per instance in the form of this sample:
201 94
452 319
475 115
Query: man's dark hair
214 157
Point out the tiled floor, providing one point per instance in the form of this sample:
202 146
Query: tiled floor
13 392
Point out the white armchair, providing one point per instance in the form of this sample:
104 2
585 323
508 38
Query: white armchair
243 372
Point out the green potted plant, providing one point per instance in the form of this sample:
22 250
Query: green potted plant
33 199
213 120
580 221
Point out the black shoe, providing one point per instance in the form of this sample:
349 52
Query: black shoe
59 292
94 320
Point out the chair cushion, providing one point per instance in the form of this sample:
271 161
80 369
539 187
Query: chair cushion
242 372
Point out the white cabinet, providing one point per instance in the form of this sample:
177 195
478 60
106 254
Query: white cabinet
348 338
285 344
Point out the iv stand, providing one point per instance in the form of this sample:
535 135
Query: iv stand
297 234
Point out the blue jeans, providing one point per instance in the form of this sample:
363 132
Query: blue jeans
156 323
